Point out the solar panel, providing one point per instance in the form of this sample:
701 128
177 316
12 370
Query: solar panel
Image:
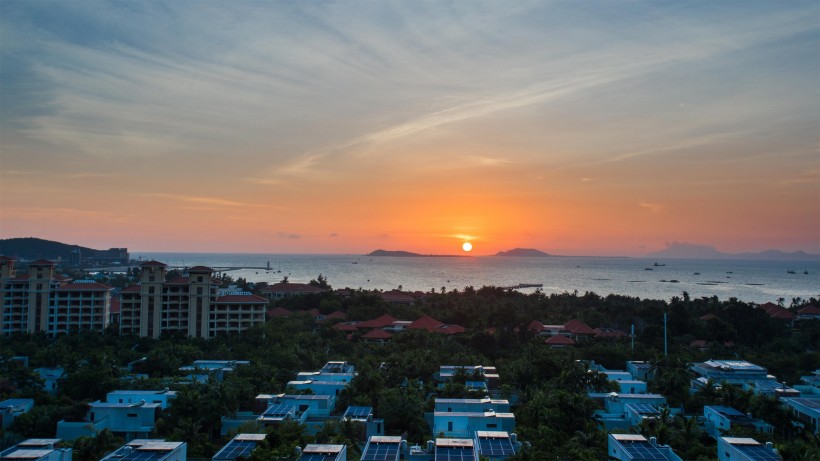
495 446
455 454
145 455
643 450
317 457
279 411
381 452
643 409
811 403
235 449
758 452
358 412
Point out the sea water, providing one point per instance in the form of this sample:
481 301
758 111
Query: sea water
747 280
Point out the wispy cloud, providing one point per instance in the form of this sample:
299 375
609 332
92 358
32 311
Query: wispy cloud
212 201
652 207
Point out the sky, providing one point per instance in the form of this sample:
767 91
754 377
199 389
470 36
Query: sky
573 127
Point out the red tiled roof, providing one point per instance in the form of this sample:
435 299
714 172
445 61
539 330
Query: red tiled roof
131 289
449 329
377 334
345 326
241 299
94 286
708 317
42 262
314 312
424 323
578 327
559 340
809 310
698 343
335 315
777 312
153 264
60 278
379 322
279 312
6 258
535 325
200 269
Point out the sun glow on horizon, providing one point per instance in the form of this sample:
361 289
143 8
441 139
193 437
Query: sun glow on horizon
467 246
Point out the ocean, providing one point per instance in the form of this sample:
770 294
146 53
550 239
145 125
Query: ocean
746 280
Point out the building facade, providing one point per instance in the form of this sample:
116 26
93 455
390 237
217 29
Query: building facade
191 305
40 300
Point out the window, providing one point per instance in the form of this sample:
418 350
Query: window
492 426
449 426
132 415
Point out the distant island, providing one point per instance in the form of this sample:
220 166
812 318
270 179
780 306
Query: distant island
522 252
408 254
681 250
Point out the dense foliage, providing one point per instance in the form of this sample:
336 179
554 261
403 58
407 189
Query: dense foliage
548 387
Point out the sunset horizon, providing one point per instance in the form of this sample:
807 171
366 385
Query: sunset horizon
589 129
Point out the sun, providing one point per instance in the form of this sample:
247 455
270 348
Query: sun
467 246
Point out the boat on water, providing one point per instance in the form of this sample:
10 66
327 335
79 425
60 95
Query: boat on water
659 265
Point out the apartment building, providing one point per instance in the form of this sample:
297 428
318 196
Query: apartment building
40 300
191 304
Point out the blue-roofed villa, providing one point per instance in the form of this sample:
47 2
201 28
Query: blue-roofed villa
719 419
363 418
384 448
241 446
463 417
629 447
37 450
12 408
324 452
807 411
623 411
149 450
496 445
745 449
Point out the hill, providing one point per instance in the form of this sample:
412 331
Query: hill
31 248
522 252
681 250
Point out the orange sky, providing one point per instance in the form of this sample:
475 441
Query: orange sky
585 129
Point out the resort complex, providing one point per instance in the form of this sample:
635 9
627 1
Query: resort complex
186 363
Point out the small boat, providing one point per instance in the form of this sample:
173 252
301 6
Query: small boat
696 273
647 268
790 272
659 265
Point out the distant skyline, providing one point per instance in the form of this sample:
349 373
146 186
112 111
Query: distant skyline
583 128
